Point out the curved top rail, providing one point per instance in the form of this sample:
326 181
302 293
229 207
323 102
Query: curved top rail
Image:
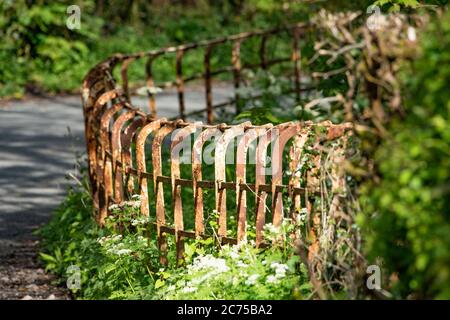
120 165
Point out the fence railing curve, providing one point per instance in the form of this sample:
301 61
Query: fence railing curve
117 135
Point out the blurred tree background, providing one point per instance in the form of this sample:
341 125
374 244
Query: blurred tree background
405 214
38 53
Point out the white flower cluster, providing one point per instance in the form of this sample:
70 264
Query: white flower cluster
189 289
118 246
209 265
271 229
139 221
136 197
118 250
209 262
252 279
136 204
109 239
113 207
280 272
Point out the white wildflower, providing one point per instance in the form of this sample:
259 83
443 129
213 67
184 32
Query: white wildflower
241 264
271 279
189 289
136 197
136 204
122 252
171 288
113 207
139 221
209 262
233 255
271 228
280 269
252 279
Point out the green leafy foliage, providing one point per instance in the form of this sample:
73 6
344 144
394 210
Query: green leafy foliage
397 5
408 225
121 260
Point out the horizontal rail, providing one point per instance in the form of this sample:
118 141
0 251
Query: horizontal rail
118 136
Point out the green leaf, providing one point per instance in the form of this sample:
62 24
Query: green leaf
47 258
159 283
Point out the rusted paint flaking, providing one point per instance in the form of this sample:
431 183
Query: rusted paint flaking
285 132
141 163
91 112
124 74
241 162
150 84
159 189
113 126
261 195
127 138
117 152
197 159
219 170
295 155
105 163
175 150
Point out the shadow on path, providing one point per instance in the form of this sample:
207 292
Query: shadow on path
39 139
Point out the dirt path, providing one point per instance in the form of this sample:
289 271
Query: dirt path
39 140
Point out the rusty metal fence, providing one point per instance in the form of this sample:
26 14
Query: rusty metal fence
117 134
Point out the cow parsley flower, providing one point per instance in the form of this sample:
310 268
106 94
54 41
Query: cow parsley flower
138 221
271 279
113 207
280 269
189 289
252 279
209 262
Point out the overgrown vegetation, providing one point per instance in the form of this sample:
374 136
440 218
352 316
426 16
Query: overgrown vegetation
38 50
407 209
393 85
121 261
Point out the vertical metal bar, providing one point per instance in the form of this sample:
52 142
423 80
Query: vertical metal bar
117 153
241 193
261 195
150 84
180 82
236 62
159 191
124 74
175 150
220 174
105 163
295 159
93 111
128 136
208 88
141 162
286 132
296 56
197 153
